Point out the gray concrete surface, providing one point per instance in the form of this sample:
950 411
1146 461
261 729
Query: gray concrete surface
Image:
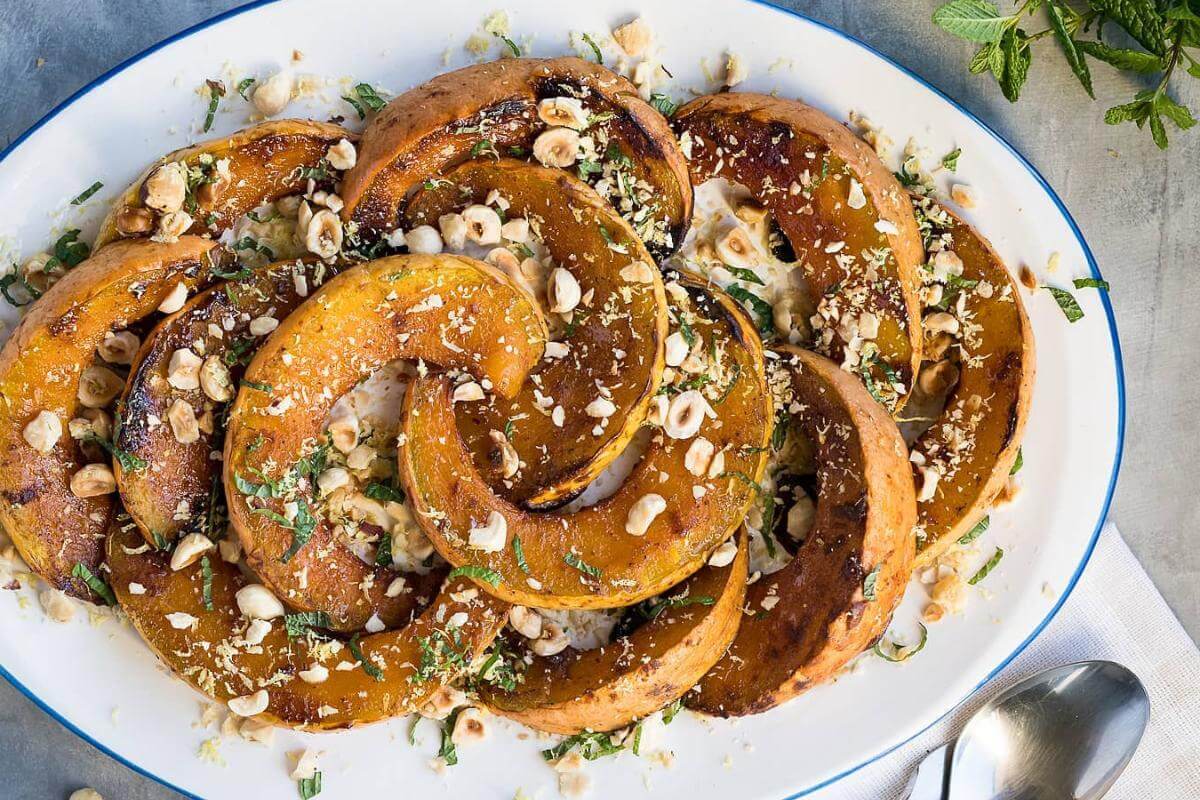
1138 207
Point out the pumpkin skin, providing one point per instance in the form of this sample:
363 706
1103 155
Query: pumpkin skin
187 473
996 365
265 163
865 511
437 125
621 316
40 368
451 497
364 318
346 698
610 687
768 145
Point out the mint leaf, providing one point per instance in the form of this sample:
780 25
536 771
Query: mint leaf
1090 283
1121 58
973 20
1017 58
1062 33
1066 301
479 573
1139 18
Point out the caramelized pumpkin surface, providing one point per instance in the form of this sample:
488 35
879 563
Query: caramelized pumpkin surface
40 371
586 558
613 341
681 635
493 109
448 311
190 619
837 595
846 217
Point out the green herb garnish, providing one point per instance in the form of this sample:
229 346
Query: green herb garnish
595 48
206 574
869 583
364 97
309 787
301 622
510 44
479 573
128 461
573 560
988 567
244 86
762 309
519 555
1091 283
448 752
591 745
975 532
1067 302
368 666
95 583
384 492
671 711
747 275
950 160
82 197
1020 462
664 105
216 90
908 652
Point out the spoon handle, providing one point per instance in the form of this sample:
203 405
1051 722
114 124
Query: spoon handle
929 780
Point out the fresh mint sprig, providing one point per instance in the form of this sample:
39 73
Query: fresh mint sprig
1166 32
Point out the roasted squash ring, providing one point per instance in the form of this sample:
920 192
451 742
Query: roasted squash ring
210 651
974 442
182 487
837 595
448 310
265 162
586 558
637 674
615 339
40 369
492 108
801 165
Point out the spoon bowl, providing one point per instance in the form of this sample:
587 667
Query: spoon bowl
1063 734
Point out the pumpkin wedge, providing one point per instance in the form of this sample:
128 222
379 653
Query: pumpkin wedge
230 176
982 351
190 619
681 635
180 491
614 339
838 593
451 311
501 108
660 524
859 254
43 367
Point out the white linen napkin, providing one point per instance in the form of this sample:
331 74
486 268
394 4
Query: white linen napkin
1114 613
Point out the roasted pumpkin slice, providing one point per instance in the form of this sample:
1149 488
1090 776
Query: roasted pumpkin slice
191 619
564 112
218 181
671 642
613 338
451 311
836 596
685 496
53 503
982 370
173 420
849 224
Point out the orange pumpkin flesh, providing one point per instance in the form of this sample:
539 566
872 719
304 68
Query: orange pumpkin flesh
492 109
183 480
213 656
635 675
799 163
974 442
265 162
615 338
585 558
445 310
40 369
837 595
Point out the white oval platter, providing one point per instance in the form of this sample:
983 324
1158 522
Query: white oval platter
99 680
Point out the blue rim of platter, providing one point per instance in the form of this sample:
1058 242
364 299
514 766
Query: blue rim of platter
1037 176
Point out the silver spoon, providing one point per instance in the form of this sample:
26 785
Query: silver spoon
1063 734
